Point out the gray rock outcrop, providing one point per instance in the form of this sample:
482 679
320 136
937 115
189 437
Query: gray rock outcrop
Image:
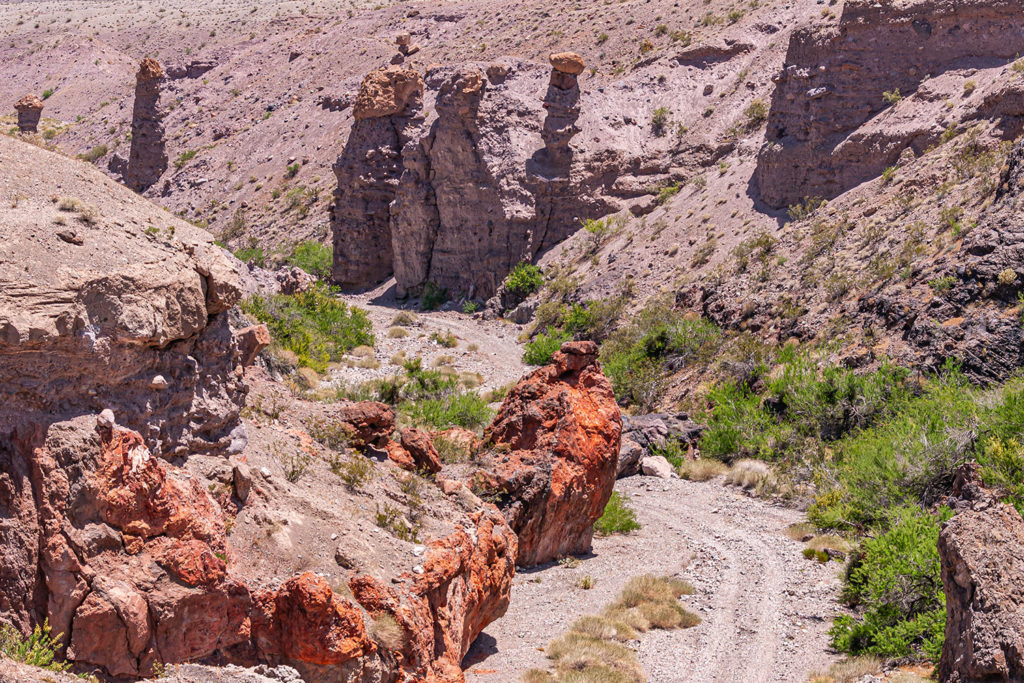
464 197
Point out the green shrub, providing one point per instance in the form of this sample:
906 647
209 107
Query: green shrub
433 297
445 339
312 257
314 325
617 518
47 93
95 153
252 254
540 350
660 120
39 649
895 579
524 280
637 358
185 157
455 409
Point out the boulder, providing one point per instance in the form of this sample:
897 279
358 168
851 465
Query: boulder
642 434
387 92
30 109
420 447
552 454
981 550
567 63
369 422
250 341
656 466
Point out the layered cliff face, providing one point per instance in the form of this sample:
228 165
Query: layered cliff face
838 77
99 313
491 181
147 159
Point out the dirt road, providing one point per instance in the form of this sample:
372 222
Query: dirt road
765 609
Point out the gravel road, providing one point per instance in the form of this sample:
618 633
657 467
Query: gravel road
765 609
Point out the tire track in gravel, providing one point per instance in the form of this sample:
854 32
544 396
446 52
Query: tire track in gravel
765 609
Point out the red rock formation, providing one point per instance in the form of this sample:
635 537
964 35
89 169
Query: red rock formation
982 554
30 109
554 452
250 341
128 554
835 76
367 172
147 159
369 422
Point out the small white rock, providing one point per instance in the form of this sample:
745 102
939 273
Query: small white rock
265 472
158 383
106 418
418 569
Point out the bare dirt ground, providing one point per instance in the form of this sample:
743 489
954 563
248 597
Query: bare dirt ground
765 609
486 348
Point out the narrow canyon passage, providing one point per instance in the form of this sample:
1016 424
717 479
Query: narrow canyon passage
765 609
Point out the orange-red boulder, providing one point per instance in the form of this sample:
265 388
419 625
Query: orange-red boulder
370 423
418 444
553 453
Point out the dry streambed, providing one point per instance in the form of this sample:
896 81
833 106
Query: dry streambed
765 609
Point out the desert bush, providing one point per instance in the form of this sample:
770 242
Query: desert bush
456 409
185 157
660 120
593 651
895 580
638 357
394 522
524 280
445 339
397 333
253 255
95 153
748 473
387 632
39 649
433 297
540 350
312 257
405 319
334 434
354 471
314 325
618 517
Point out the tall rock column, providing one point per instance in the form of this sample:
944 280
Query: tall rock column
368 171
562 103
30 109
147 159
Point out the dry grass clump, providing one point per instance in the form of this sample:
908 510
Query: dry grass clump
387 632
87 213
800 531
405 319
701 469
592 650
451 450
827 542
750 474
398 358
362 352
397 333
849 670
